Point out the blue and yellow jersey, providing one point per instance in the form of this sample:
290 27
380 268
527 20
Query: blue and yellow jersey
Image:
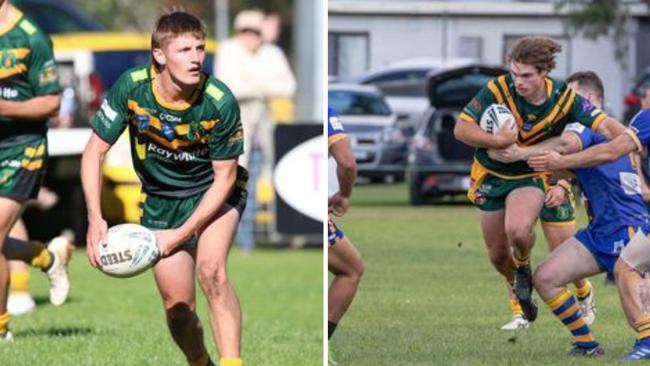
334 128
613 190
172 146
536 122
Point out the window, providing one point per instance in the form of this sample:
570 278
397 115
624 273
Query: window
405 83
347 54
345 102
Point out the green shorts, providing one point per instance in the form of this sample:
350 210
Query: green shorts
562 214
22 168
159 212
491 194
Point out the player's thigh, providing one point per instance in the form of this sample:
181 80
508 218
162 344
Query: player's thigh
568 262
557 233
174 277
215 239
344 258
523 206
493 228
636 253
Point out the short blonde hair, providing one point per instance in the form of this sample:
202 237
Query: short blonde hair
172 25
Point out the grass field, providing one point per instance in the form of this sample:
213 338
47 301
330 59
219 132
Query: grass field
429 295
119 322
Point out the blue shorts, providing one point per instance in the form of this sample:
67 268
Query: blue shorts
333 232
606 250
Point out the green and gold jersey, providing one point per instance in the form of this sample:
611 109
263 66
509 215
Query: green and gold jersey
536 123
27 70
172 147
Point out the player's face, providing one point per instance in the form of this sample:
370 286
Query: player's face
528 80
184 57
587 94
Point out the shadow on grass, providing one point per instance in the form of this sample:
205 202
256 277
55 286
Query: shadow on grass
54 332
45 300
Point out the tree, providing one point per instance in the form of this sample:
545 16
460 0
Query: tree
596 18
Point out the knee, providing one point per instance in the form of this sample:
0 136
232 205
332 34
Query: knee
358 269
518 233
212 277
542 277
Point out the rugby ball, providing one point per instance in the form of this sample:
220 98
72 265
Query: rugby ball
129 249
495 116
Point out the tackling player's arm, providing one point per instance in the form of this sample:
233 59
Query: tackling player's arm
91 181
594 155
346 172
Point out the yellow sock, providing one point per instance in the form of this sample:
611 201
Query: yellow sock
41 257
519 262
231 362
515 307
202 361
565 307
642 326
4 323
583 291
19 281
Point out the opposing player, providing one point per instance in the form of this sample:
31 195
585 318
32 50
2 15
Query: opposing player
510 196
30 96
617 213
186 136
634 260
344 261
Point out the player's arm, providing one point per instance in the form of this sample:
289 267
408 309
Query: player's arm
562 144
592 156
610 128
38 108
346 172
91 181
225 174
635 158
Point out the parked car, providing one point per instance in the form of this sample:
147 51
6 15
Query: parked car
376 136
633 98
438 164
404 84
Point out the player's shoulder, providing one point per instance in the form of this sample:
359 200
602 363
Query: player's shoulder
133 78
643 117
558 87
32 33
217 92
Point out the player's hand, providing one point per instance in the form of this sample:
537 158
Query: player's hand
338 205
169 240
96 235
505 136
509 154
546 161
555 196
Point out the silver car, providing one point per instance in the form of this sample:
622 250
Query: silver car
376 136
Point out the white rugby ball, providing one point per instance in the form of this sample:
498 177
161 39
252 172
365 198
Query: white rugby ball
495 116
130 249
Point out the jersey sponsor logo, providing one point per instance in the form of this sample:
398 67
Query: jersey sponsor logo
183 156
630 183
168 117
143 121
527 126
8 93
586 105
168 131
618 246
475 104
574 127
48 73
336 123
108 111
